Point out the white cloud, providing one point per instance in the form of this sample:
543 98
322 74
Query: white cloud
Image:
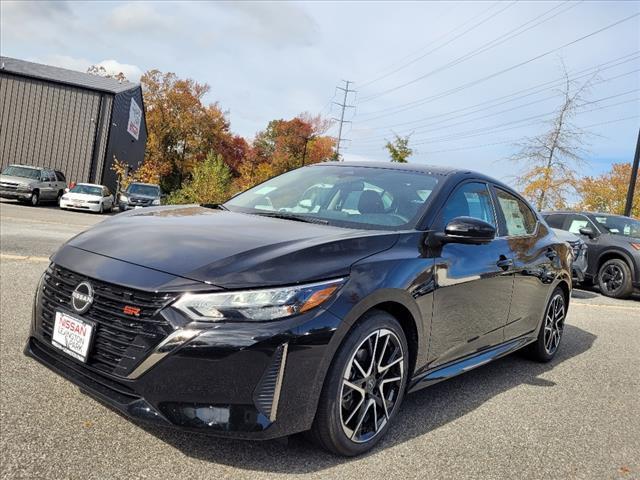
132 72
135 17
113 67
280 24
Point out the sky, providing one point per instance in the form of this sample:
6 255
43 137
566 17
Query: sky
467 80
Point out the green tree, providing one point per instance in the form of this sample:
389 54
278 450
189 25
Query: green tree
209 183
399 149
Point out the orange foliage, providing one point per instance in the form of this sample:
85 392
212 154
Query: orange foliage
607 193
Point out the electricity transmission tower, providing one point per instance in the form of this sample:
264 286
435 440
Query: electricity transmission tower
343 106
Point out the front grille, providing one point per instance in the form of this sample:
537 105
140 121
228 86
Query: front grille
9 186
121 341
140 201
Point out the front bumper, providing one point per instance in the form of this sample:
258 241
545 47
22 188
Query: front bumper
83 206
222 381
15 194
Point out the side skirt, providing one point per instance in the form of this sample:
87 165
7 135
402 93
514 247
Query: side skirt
443 372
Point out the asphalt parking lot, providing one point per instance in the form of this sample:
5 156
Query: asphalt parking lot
576 417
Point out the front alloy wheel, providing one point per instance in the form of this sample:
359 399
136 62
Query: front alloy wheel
364 387
371 385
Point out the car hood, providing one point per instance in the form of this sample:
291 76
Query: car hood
18 180
228 249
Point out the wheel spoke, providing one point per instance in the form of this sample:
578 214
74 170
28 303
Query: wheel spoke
359 367
373 354
363 413
353 386
387 367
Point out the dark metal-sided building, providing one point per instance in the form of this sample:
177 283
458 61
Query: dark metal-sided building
70 121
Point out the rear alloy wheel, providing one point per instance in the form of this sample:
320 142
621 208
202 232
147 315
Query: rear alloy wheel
614 279
364 387
551 330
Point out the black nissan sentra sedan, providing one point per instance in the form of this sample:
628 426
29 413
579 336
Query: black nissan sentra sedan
313 301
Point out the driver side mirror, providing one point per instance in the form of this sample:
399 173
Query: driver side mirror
587 232
467 230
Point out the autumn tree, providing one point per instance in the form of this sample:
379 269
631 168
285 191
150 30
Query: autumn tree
182 129
209 183
285 145
550 159
607 193
399 148
100 71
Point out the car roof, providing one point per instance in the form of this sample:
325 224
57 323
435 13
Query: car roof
409 167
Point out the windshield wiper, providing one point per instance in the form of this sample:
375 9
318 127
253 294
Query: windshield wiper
215 206
295 218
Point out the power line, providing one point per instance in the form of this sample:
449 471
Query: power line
422 101
483 130
402 67
521 122
483 48
342 121
425 127
514 140
533 90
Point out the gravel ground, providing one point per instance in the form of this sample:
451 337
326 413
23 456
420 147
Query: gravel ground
576 417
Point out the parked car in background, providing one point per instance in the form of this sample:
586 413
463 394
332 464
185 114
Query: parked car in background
314 300
32 184
138 195
579 249
88 197
614 248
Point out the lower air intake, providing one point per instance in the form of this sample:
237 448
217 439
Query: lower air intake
267 393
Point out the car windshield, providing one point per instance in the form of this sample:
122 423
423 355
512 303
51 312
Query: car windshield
24 172
145 190
360 197
619 225
87 190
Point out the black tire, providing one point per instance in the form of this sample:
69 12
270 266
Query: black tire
35 199
60 193
339 400
546 346
101 209
614 279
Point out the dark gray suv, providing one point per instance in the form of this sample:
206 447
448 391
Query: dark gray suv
614 248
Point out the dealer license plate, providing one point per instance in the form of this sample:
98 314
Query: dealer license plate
72 335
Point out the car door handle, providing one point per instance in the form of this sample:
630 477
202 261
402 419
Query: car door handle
504 263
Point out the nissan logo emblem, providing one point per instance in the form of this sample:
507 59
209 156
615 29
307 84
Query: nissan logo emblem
82 297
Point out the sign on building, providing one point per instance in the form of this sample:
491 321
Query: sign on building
135 117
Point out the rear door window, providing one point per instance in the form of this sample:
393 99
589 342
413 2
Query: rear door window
519 218
60 176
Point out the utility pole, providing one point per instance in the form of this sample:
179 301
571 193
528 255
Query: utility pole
632 181
342 121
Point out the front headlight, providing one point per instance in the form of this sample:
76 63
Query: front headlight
25 188
64 197
156 202
256 305
124 198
